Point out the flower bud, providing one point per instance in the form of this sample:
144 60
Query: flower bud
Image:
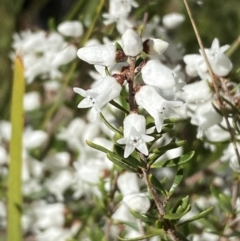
65 56
98 54
172 20
132 43
71 28
154 46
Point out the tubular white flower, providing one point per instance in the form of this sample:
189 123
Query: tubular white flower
149 99
156 74
155 47
135 134
131 43
98 54
220 63
103 92
172 20
138 202
70 28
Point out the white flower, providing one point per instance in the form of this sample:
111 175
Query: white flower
155 47
34 138
131 43
191 61
220 63
65 56
197 92
156 74
70 28
31 101
98 54
103 92
149 99
138 202
128 183
204 117
135 134
172 20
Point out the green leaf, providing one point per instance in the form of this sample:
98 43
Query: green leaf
149 235
132 161
118 161
161 150
114 103
178 215
171 145
14 230
109 125
175 161
223 199
158 185
97 147
177 180
181 205
143 217
198 216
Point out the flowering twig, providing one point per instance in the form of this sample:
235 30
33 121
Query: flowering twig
214 79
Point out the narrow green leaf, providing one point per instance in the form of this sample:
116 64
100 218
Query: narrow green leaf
177 180
161 150
97 147
198 216
143 217
175 161
109 125
149 235
14 229
181 205
171 145
114 103
158 185
132 161
178 215
117 160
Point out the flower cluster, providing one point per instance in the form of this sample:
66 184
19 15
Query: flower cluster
157 96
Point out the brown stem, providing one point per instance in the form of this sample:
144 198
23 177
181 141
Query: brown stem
131 99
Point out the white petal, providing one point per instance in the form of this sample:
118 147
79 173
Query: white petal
98 54
71 28
156 74
132 43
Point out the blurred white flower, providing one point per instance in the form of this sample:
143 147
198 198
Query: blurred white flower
32 101
64 56
138 202
70 28
59 182
34 138
128 183
172 20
